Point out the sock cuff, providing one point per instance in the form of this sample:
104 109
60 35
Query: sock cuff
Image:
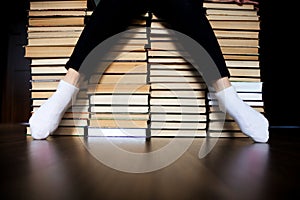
67 86
228 90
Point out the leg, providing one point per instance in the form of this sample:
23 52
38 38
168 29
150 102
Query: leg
47 118
109 18
188 17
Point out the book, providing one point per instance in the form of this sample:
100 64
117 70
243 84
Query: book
48 61
237 34
177 101
178 133
177 125
179 117
56 21
241 57
64 131
45 78
79 102
58 5
56 13
173 72
48 69
244 72
53 34
126 68
118 88
73 109
231 12
39 96
243 63
120 116
210 4
194 86
119 99
116 132
52 42
233 17
48 51
44 85
119 79
119 109
76 115
238 42
173 79
167 93
35 29
166 109
73 123
227 50
235 25
118 123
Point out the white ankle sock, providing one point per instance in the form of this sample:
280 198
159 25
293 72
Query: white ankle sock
46 119
250 121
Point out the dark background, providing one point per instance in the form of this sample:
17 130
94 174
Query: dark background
278 59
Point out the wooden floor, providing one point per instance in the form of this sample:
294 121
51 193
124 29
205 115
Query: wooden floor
62 168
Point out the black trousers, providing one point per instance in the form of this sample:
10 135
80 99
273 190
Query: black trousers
188 17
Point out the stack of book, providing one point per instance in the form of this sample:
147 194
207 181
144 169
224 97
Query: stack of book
119 100
119 94
178 92
53 30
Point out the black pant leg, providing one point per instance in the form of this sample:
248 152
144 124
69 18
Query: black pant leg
188 18
110 17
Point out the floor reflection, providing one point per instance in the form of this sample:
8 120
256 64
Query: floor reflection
244 169
136 155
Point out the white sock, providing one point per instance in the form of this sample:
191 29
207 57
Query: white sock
250 121
46 119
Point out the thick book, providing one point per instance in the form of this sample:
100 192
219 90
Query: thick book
166 109
56 13
53 34
48 70
56 21
119 116
211 4
118 109
46 51
50 41
179 133
35 29
118 123
178 117
119 79
116 132
119 99
64 131
58 5
112 88
235 25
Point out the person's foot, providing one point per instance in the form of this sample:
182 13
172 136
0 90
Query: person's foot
251 122
46 119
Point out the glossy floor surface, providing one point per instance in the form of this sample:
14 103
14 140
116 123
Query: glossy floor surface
71 168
